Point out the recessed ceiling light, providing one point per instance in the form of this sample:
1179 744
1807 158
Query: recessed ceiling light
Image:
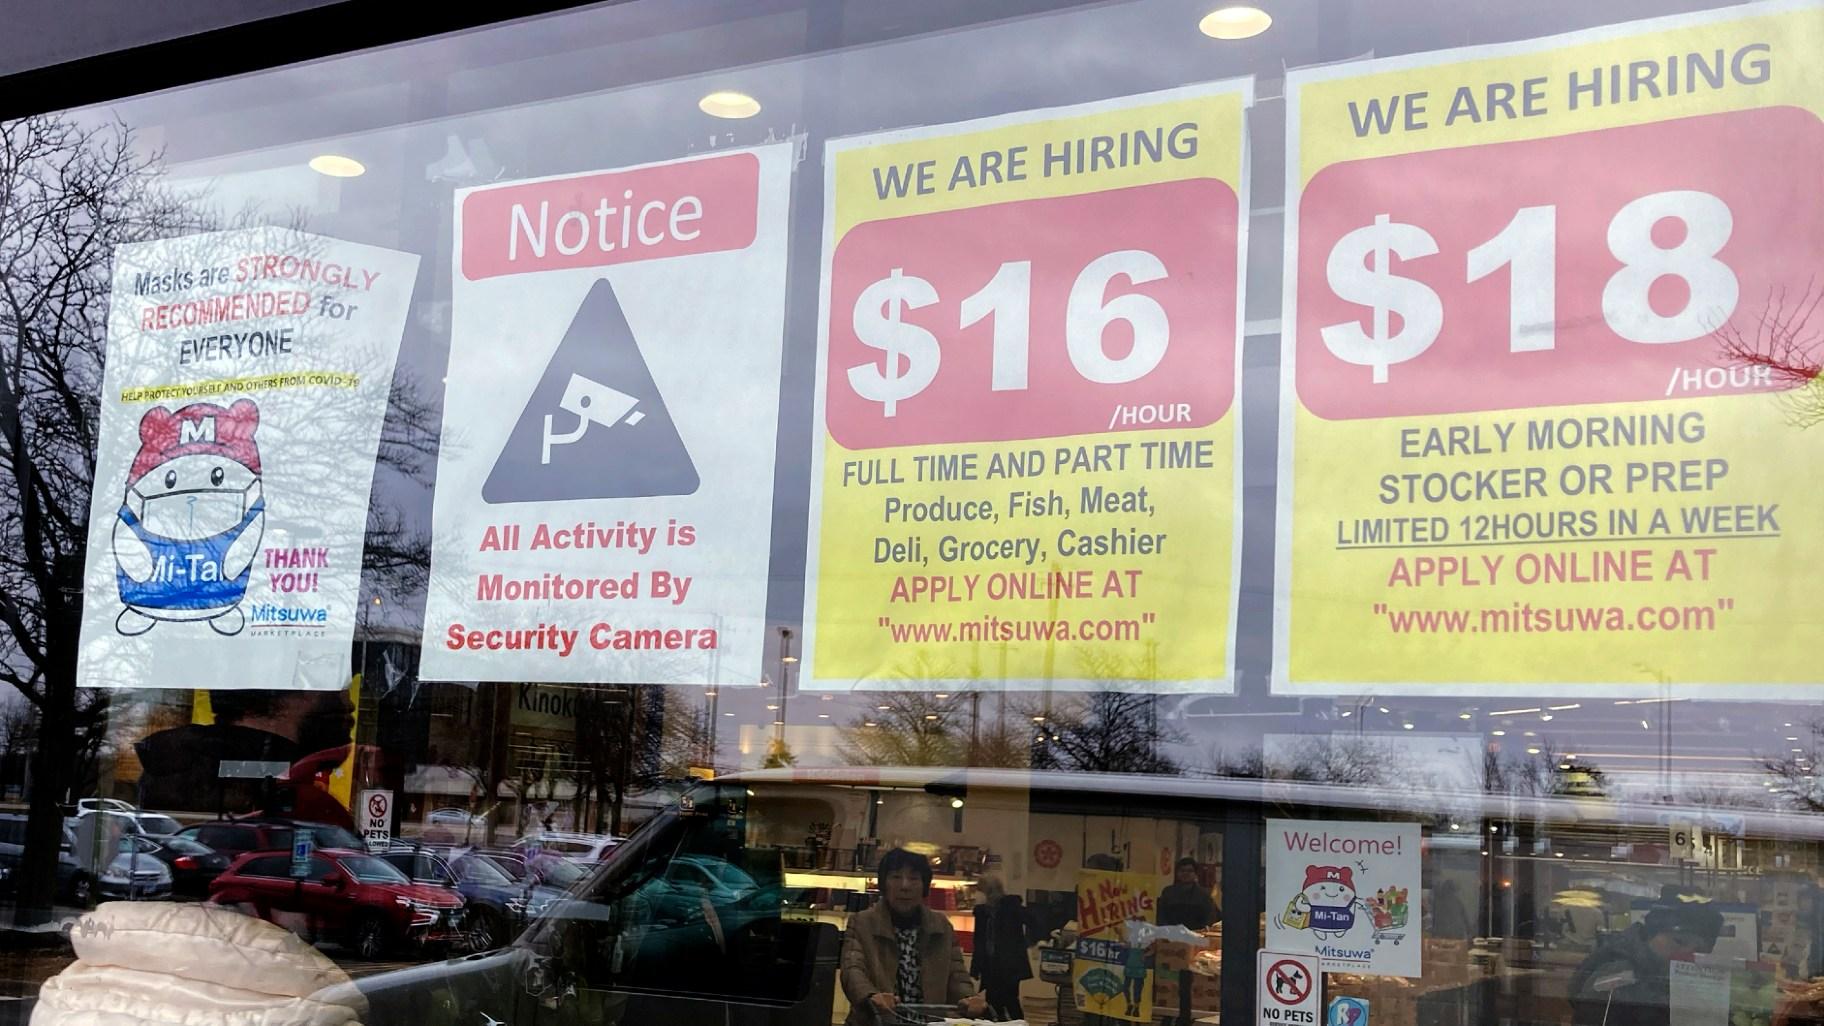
1237 21
727 103
337 166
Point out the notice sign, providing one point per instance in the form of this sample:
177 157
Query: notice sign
1290 988
1346 892
1025 462
605 480
376 812
1547 364
246 380
1109 975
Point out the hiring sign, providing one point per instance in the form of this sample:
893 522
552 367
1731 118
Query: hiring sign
1026 427
1536 432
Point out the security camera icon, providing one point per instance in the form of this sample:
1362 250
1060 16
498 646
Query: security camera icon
592 403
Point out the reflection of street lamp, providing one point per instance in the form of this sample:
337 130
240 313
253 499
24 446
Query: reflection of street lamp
367 630
714 700
786 659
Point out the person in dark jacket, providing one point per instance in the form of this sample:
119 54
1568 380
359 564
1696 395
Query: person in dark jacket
1626 981
1001 942
1185 901
182 766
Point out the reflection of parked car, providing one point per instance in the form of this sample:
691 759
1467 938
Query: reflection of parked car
137 822
158 824
583 849
73 885
498 904
690 880
552 871
352 896
134 872
239 836
454 817
192 865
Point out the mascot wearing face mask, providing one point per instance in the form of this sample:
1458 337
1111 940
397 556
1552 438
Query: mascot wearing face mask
191 521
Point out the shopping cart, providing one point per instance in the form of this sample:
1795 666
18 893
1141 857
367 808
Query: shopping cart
1389 914
911 1014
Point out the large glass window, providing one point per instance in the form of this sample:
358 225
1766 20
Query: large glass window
841 511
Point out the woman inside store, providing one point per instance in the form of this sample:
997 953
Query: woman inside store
900 952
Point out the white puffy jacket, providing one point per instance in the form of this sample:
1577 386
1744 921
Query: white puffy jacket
190 965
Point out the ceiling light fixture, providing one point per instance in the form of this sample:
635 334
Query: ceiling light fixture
1237 21
729 104
337 166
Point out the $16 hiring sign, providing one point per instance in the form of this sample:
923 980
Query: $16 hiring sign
1507 271
1026 385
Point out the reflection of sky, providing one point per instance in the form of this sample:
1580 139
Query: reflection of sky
478 107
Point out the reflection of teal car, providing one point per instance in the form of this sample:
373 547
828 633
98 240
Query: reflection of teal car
691 881
683 927
692 913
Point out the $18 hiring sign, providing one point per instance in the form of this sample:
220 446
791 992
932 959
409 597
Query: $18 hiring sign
1517 443
1026 391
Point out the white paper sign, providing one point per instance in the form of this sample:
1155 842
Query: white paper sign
246 381
1347 892
1290 989
605 481
376 812
1699 994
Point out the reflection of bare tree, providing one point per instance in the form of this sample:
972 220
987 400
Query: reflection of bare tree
1110 730
1793 776
68 197
1104 732
1541 769
1783 343
914 729
632 739
1313 759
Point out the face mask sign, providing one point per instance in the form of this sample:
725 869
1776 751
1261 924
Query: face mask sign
199 501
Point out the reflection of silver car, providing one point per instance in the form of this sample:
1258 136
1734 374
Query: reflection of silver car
134 872
456 817
582 849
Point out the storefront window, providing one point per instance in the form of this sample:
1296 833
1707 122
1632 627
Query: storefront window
826 512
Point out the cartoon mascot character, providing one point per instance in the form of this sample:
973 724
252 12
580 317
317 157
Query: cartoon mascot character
191 520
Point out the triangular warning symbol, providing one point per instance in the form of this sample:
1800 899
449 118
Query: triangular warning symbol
595 426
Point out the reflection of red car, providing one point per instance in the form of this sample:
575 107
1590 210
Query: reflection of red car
351 896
